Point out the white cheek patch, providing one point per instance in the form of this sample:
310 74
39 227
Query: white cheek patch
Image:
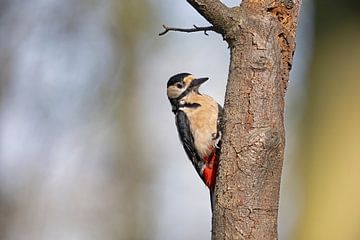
173 92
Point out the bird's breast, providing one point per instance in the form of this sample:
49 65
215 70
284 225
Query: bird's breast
203 124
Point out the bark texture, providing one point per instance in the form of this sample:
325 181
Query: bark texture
261 37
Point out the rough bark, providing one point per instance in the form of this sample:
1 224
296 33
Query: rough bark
261 37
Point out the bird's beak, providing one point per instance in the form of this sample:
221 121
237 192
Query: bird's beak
197 82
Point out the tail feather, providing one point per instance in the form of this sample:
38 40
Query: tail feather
212 199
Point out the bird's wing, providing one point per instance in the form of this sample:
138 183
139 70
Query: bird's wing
187 139
219 128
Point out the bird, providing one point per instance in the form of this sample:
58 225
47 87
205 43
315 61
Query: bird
198 119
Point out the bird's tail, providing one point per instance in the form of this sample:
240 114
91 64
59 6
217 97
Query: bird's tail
212 199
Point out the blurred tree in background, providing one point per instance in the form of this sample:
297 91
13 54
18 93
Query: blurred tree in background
132 22
73 162
330 152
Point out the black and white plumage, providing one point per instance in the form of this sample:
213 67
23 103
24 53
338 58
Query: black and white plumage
198 121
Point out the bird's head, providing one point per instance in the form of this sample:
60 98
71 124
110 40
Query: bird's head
181 84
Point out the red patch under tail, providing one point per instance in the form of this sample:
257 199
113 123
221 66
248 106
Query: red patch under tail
209 173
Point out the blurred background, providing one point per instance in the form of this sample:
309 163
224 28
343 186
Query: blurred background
89 148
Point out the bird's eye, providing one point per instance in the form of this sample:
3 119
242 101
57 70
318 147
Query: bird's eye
179 85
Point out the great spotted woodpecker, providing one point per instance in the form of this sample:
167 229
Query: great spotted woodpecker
198 120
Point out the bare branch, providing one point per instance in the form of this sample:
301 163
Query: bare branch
212 10
187 30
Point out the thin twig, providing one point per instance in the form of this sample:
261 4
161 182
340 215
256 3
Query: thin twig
187 30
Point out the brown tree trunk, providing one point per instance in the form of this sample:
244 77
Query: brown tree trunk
261 37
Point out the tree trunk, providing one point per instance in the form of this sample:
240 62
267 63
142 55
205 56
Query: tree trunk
261 37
